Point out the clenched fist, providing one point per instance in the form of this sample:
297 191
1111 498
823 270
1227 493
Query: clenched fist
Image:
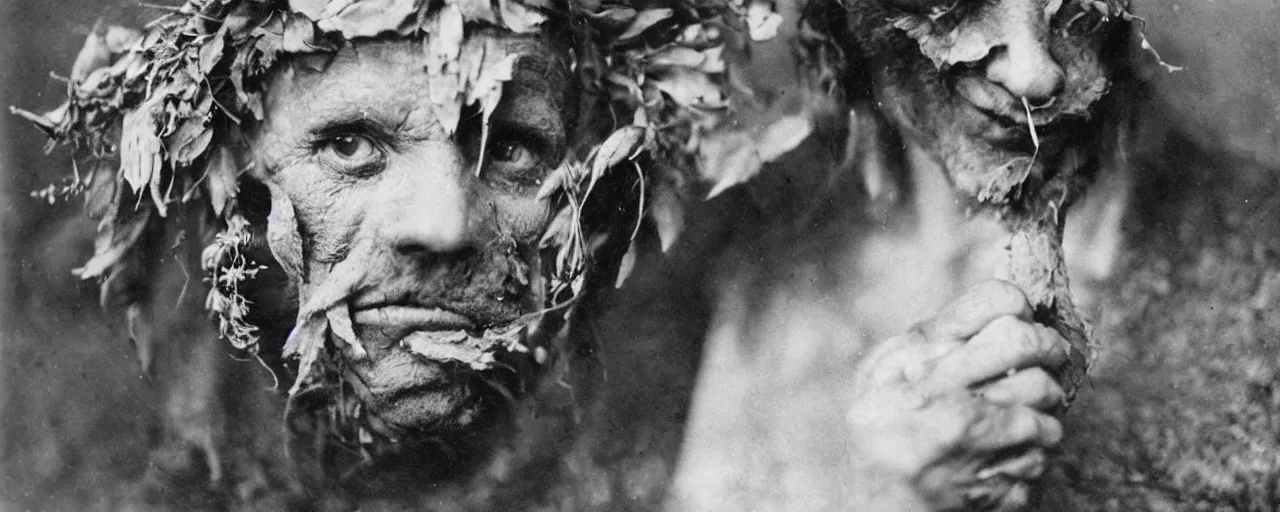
953 415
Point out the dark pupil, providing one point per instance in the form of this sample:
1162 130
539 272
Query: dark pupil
506 151
346 146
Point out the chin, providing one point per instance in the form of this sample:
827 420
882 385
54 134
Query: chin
415 394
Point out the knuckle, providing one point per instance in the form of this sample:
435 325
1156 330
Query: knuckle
1006 295
1018 497
1051 431
956 426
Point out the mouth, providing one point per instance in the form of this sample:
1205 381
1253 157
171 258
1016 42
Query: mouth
411 317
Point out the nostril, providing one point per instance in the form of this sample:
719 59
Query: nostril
1026 73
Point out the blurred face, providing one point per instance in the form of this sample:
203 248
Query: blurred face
443 234
968 79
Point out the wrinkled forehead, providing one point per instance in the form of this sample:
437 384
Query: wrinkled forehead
387 80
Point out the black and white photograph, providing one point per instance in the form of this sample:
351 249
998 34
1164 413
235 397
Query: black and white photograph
640 255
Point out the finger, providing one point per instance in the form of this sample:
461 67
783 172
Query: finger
1032 387
1000 428
1006 344
1026 465
977 307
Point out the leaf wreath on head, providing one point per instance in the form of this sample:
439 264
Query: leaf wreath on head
157 113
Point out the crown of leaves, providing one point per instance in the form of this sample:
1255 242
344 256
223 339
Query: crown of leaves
154 111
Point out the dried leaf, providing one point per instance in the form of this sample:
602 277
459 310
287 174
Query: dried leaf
782 136
443 48
735 157
222 179
478 10
141 331
628 264
967 42
306 341
299 36
613 17
457 346
116 236
710 60
93 55
363 18
643 21
189 141
689 88
340 323
211 51
623 144
140 147
667 212
283 237
520 19
762 22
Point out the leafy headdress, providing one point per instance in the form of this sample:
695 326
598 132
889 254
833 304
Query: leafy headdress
154 115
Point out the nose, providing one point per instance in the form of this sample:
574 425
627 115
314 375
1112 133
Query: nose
1024 67
429 209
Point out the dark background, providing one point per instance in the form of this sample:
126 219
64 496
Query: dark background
63 362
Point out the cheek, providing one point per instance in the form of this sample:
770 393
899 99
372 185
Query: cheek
519 215
327 212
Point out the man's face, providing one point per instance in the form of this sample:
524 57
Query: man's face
988 64
444 235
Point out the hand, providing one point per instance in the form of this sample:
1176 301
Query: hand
951 416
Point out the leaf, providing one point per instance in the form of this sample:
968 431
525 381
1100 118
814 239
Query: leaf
689 88
306 341
102 190
967 42
487 91
667 212
139 147
340 323
561 178
121 39
47 122
221 179
762 22
189 141
623 144
710 60
519 18
299 36
211 51
782 136
628 264
443 73
141 332
478 10
643 21
117 234
362 18
93 55
731 158
283 237
613 17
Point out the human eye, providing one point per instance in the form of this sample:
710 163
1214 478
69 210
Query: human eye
349 150
1078 19
509 153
